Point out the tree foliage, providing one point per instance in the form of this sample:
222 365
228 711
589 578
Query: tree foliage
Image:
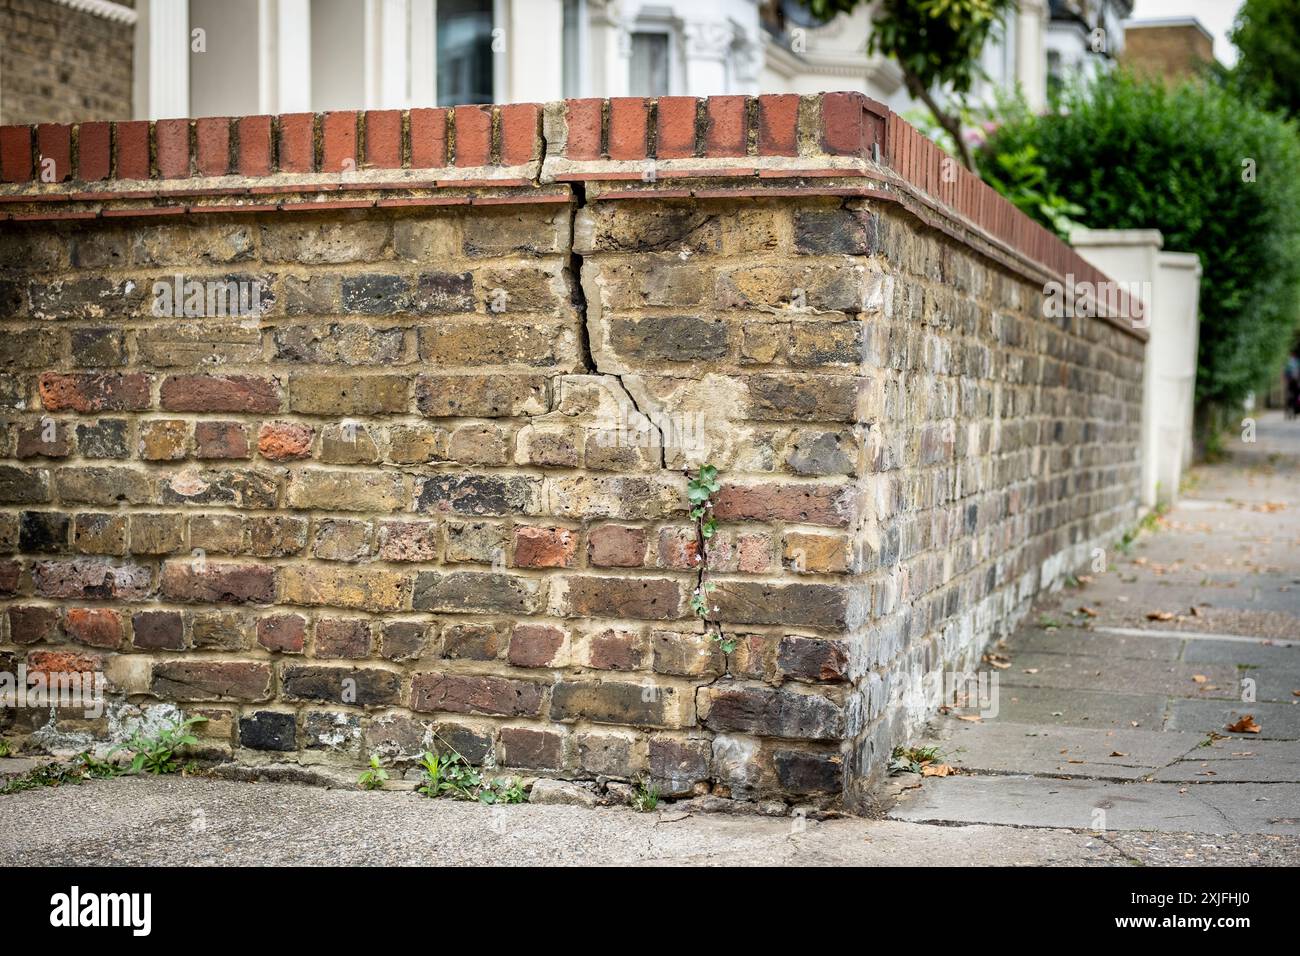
936 43
1216 175
1267 37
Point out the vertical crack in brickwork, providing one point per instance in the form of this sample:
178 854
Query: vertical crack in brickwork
580 302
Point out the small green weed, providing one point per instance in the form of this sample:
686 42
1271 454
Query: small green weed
156 754
375 777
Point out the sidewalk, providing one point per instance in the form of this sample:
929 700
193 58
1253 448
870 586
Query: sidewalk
1116 697
1110 745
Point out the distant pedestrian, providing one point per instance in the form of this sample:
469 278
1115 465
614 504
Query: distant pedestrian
1293 384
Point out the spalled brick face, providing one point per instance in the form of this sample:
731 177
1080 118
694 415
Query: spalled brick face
417 497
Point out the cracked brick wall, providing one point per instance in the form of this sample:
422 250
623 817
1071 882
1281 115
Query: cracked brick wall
431 491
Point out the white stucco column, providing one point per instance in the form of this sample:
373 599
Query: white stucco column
284 56
534 51
1031 52
1169 284
708 43
168 50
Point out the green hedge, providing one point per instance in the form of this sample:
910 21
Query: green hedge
1134 155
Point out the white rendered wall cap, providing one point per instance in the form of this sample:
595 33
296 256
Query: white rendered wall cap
1117 237
1181 260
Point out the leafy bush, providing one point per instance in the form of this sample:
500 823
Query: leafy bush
1218 176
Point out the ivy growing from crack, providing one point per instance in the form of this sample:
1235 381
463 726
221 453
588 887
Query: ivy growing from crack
700 490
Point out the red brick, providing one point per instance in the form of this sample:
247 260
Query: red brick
828 505
219 393
158 630
98 627
297 143
545 547
285 633
172 141
428 138
63 662
220 440
778 124
15 154
284 441
342 637
212 144
520 133
675 124
339 133
132 143
88 392
679 548
628 125
210 581
583 118
612 650
725 126
254 145
850 123
475 694
614 546
30 625
54 142
94 151
535 645
473 135
384 139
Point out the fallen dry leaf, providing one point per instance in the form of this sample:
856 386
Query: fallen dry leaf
1091 612
1246 725
1199 678
936 770
1116 753
973 718
1160 616
1031 670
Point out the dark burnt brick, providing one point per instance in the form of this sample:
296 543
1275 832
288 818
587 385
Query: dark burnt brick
404 640
376 294
670 339
800 771
219 582
849 232
33 624
476 694
677 764
342 637
481 591
268 730
613 702
103 439
362 686
43 532
82 392
212 680
642 599
772 712
531 749
286 633
813 658
442 293
829 606
474 641
21 486
36 440
478 494
11 573
219 393
158 630
98 347
535 645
